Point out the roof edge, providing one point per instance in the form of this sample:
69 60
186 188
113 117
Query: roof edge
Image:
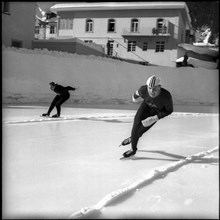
117 6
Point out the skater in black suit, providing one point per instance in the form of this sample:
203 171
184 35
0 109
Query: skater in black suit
62 96
157 104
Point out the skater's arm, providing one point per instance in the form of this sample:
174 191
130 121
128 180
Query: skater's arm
168 109
67 88
135 97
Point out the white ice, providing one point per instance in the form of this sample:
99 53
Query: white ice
56 168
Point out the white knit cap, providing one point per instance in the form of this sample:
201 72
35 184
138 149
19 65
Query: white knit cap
153 81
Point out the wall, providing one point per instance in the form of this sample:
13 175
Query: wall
27 73
19 24
71 46
181 30
123 21
147 19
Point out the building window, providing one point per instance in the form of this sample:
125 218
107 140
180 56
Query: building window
52 29
134 25
16 43
160 24
110 46
89 25
145 46
65 24
69 23
37 30
131 45
111 25
88 41
160 46
6 7
61 24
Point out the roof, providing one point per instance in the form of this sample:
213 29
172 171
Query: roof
82 6
117 5
54 19
200 50
39 12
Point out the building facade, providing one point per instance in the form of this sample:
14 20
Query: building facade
45 24
142 31
18 19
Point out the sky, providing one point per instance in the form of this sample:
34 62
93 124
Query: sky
46 5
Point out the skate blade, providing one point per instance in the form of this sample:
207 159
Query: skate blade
128 158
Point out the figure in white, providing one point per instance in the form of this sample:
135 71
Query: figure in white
207 34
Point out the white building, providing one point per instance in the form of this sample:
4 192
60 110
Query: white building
142 31
45 24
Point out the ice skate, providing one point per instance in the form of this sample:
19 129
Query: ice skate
129 153
55 116
45 114
125 142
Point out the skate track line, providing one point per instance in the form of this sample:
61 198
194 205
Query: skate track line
154 174
101 117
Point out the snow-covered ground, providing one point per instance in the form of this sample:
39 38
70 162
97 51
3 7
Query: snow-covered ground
71 168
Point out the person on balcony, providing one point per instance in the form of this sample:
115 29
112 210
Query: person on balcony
164 29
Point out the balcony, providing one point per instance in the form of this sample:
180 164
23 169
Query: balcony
149 31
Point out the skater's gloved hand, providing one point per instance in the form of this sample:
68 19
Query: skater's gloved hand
149 121
136 97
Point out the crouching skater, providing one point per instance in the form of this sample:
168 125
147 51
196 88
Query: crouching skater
157 103
62 96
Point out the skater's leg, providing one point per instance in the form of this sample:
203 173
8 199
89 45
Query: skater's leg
60 102
137 120
138 132
52 105
138 129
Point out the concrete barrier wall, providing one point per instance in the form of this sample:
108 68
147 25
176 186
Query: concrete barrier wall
71 46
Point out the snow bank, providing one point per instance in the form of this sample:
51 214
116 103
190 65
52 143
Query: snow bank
27 73
199 63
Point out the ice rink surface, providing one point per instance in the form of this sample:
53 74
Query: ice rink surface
53 168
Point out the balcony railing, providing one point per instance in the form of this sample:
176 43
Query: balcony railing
152 31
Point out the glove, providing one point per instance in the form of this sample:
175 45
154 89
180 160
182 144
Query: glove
149 121
136 97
